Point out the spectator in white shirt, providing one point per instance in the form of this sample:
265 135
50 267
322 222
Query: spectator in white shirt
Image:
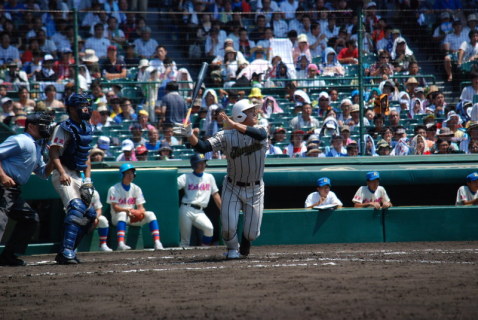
145 46
452 44
279 25
98 42
289 7
7 51
469 49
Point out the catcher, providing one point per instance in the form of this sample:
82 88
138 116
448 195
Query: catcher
126 200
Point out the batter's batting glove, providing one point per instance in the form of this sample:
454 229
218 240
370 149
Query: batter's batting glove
184 131
86 191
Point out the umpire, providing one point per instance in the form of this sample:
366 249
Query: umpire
20 155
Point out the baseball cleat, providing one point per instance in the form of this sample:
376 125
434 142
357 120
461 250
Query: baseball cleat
61 259
158 245
232 254
11 261
123 247
104 247
245 247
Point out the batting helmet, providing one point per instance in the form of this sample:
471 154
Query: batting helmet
196 158
125 167
238 109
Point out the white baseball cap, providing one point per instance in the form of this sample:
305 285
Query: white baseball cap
127 145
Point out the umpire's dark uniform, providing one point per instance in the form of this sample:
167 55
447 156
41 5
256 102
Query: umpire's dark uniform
20 155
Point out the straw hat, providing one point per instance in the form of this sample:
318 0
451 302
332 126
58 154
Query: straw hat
90 56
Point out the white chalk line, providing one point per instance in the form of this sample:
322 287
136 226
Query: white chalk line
242 263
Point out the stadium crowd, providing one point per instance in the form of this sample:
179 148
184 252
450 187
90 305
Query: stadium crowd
297 61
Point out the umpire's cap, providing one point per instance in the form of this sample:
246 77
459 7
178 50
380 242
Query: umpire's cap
125 167
196 158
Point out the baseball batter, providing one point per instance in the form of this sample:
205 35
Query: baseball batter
127 207
198 187
245 144
69 149
468 195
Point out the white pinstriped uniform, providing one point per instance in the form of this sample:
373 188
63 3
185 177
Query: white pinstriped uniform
243 188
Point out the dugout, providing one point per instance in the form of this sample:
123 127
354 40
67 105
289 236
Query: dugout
423 181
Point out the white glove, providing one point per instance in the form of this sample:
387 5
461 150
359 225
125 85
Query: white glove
180 130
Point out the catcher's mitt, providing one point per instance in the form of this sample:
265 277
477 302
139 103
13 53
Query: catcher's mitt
136 215
86 192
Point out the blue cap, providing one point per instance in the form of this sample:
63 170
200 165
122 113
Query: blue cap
373 175
323 182
472 177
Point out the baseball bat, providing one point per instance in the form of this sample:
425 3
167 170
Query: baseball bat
202 75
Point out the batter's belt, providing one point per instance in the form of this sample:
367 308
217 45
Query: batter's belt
244 184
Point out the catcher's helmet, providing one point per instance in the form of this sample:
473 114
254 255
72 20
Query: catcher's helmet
196 158
79 101
238 109
125 167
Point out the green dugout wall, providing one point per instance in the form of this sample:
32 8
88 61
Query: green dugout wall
425 182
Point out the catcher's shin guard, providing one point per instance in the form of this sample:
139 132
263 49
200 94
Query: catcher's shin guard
90 214
75 221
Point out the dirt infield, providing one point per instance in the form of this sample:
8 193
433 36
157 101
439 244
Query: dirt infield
346 281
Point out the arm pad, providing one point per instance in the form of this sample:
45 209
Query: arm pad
256 133
203 146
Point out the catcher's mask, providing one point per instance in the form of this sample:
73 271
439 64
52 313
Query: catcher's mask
43 121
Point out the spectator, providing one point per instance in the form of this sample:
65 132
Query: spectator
105 120
278 24
46 73
168 139
125 198
7 51
296 148
346 107
323 196
127 149
141 153
98 42
258 33
153 142
468 195
468 50
302 48
7 109
97 155
51 100
305 119
137 135
113 67
349 55
372 195
452 45
173 107
470 91
317 40
14 75
337 148
91 62
383 148
114 34
324 104
131 58
62 66
442 147
401 55
382 67
345 133
127 112
418 146
146 46
24 102
352 149
438 103
34 65
289 7
165 152
46 45
245 45
330 66
454 122
103 143
143 117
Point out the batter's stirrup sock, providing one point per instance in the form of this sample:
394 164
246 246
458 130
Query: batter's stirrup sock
103 233
206 240
154 228
245 246
121 230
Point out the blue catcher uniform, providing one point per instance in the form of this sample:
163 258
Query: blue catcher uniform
71 141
